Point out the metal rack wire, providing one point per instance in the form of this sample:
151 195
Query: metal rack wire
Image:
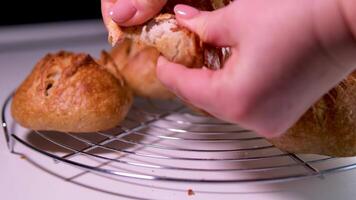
164 141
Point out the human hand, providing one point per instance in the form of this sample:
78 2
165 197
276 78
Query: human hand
285 55
130 12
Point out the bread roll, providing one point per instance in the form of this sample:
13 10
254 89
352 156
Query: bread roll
71 93
137 64
140 74
176 43
169 39
107 62
118 34
328 128
122 52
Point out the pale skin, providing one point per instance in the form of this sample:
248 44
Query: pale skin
286 55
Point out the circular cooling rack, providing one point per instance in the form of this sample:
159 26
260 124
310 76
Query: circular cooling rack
165 141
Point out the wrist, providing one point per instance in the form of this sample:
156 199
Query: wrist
335 29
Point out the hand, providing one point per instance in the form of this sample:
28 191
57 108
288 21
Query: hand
130 12
286 55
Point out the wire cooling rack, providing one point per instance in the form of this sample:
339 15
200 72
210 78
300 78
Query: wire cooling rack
165 141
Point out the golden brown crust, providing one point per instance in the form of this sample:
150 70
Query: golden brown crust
71 93
329 127
122 52
107 62
140 74
137 64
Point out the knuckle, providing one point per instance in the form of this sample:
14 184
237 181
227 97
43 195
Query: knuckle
204 31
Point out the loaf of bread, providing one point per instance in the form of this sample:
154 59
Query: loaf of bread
71 93
328 128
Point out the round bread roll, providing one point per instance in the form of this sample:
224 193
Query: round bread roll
122 52
70 93
328 128
107 62
137 66
140 74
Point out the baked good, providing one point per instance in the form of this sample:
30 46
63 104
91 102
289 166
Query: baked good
140 74
106 62
136 49
328 128
176 43
122 52
71 93
137 64
117 33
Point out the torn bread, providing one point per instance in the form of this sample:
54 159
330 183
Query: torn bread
176 43
137 64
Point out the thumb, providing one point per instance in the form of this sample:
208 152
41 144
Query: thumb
212 27
105 9
135 12
195 86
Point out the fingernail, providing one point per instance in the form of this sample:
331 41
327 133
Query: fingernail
122 12
185 12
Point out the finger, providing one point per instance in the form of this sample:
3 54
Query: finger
135 12
195 86
106 5
212 27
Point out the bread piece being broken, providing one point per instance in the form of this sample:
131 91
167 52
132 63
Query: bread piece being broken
176 43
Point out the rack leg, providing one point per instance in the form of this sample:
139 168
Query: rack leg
11 144
9 140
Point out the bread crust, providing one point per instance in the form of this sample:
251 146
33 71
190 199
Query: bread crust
328 128
140 74
70 93
137 64
176 43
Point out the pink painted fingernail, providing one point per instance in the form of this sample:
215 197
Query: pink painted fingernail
185 12
122 11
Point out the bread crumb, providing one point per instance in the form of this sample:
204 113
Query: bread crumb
23 157
190 192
